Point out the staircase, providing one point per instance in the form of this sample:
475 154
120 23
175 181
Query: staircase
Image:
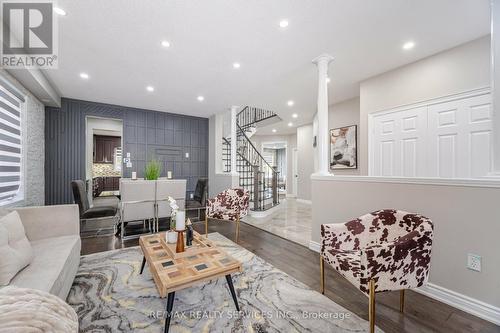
256 175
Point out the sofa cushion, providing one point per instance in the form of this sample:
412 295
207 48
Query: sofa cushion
15 249
53 267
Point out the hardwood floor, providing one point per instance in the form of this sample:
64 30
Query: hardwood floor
422 314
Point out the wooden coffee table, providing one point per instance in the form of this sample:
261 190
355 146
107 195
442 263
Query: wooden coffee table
173 271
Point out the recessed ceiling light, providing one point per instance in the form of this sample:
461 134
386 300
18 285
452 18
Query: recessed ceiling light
295 115
236 65
60 11
290 103
274 130
408 45
328 80
200 98
290 124
150 88
283 23
84 76
165 43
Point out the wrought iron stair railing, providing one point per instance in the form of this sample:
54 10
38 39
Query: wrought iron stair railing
256 175
250 116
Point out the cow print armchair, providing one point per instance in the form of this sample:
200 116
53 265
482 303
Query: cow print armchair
229 205
381 251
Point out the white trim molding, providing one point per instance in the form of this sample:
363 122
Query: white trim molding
452 298
465 303
479 182
315 246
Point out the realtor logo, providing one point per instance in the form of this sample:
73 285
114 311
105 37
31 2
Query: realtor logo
28 34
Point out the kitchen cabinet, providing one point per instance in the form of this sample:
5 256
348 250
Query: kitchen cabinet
104 148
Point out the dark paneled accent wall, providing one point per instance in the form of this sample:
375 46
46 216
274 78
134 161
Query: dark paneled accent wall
146 135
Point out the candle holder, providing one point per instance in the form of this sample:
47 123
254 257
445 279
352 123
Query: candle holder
180 241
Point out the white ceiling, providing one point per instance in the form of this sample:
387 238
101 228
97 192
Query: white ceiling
117 43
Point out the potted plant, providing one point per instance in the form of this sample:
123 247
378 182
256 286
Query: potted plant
172 234
152 170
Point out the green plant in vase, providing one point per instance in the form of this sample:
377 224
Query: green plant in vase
152 170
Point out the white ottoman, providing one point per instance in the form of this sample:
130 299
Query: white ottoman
34 311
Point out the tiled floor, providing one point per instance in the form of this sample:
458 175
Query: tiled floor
291 220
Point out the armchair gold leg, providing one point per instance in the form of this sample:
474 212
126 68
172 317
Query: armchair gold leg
237 229
206 226
322 273
371 307
401 301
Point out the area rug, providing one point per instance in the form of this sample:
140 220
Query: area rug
109 295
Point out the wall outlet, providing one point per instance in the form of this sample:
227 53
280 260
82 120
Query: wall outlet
191 195
474 262
187 155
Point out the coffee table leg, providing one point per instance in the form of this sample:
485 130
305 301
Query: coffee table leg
143 263
231 289
170 304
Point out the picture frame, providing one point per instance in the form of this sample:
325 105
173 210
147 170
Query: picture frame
343 148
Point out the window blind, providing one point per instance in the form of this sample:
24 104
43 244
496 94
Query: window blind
10 145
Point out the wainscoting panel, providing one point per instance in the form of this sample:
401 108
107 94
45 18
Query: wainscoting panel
146 135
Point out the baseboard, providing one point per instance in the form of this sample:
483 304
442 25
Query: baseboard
315 246
291 195
309 202
465 303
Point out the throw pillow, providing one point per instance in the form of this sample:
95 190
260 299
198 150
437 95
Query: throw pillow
15 249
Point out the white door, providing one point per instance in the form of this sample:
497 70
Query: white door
399 143
295 173
450 139
461 135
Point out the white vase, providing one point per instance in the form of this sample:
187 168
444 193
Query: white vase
171 237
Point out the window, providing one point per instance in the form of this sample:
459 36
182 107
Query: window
11 175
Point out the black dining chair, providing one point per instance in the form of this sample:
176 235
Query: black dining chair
91 213
199 201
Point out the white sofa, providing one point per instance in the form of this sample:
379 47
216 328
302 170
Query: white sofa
54 234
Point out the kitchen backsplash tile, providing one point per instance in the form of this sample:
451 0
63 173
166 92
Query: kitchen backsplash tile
104 170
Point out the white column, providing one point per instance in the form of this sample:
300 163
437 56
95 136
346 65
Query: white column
218 135
495 82
234 112
323 138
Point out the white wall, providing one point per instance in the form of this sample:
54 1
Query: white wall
217 181
291 143
305 165
466 220
343 114
34 147
459 69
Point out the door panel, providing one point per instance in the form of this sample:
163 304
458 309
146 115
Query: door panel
463 129
450 140
399 143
